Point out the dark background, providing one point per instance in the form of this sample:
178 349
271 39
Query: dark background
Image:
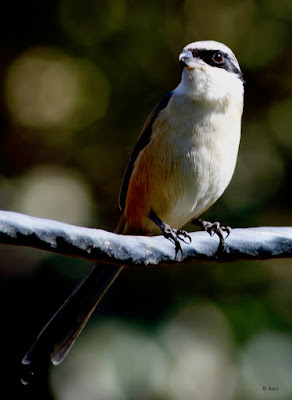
78 79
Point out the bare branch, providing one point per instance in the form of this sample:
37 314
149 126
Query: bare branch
102 246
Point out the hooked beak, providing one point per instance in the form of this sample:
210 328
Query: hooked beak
187 60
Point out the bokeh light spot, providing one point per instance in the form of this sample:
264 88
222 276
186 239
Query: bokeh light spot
49 90
267 362
55 193
190 357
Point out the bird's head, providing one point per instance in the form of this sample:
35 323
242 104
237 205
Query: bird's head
210 73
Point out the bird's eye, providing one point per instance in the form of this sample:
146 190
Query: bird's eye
218 58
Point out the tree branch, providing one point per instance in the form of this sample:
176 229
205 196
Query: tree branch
106 247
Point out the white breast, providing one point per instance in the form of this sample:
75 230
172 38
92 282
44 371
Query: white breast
205 146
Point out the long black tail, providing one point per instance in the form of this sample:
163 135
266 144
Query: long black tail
57 337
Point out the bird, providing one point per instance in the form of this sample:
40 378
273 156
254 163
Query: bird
183 161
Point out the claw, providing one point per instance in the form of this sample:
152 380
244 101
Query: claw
174 235
182 235
215 228
227 229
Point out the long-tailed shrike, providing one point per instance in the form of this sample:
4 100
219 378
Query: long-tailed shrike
182 163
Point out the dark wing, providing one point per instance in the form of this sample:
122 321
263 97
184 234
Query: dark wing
143 140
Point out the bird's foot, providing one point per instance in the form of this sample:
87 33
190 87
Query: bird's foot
175 235
214 228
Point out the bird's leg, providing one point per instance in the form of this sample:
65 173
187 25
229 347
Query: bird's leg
174 235
214 228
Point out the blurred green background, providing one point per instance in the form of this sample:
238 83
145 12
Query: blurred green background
78 79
